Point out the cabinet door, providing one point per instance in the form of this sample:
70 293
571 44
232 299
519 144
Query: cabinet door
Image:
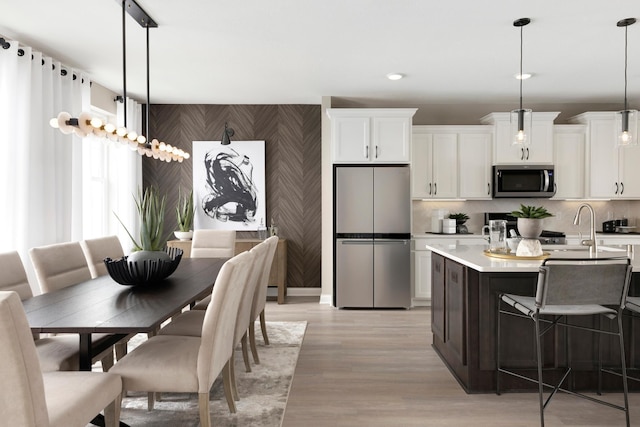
540 151
540 148
444 165
629 173
603 165
422 275
505 152
391 139
569 162
474 166
437 296
421 186
351 139
455 320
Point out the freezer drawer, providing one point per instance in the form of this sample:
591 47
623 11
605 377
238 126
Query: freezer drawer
392 273
354 273
373 273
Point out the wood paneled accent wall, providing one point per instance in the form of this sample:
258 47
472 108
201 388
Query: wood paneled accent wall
292 135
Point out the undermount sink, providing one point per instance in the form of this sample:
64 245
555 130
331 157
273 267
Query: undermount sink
579 248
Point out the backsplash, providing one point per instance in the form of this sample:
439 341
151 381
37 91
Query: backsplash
563 211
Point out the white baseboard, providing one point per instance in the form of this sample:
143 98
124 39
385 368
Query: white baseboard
419 302
326 299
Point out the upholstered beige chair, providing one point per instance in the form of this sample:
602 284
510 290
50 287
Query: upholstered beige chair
213 244
31 398
96 250
56 353
172 363
260 299
64 264
190 323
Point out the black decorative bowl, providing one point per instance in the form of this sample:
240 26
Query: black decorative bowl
143 273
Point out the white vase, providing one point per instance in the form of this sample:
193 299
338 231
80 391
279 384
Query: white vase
183 235
530 228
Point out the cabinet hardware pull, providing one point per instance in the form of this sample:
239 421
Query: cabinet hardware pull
488 189
527 154
376 151
429 188
621 188
366 151
435 188
616 188
521 153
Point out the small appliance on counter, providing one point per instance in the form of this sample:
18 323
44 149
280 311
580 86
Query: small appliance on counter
617 226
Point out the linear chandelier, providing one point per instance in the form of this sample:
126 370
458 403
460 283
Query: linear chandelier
85 124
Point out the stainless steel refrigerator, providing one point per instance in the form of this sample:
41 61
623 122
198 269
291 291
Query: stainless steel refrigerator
372 237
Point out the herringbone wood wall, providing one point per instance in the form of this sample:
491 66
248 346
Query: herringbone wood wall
292 135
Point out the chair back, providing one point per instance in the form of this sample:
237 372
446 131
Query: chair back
260 295
60 265
244 319
14 276
96 250
23 402
585 281
213 244
218 328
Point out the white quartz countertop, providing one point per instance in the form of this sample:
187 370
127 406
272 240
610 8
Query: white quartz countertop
472 255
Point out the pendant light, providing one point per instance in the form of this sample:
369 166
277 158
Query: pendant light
521 118
627 122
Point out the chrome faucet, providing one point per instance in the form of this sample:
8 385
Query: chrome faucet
592 243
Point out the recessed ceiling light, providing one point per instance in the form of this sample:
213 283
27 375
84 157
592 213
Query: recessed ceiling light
395 76
524 76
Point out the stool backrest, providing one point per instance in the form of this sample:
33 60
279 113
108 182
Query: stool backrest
585 281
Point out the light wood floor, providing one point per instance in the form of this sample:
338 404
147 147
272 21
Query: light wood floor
377 368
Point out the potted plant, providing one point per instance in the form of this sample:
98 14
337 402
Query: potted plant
184 216
530 220
152 239
460 218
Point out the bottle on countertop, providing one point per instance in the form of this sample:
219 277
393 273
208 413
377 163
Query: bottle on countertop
273 229
262 230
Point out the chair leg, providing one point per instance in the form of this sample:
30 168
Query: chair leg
112 412
252 343
226 382
107 361
151 400
232 378
623 363
540 379
245 353
263 326
121 350
203 406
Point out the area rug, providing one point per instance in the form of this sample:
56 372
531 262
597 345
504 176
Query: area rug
263 391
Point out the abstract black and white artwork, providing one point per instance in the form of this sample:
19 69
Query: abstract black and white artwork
229 185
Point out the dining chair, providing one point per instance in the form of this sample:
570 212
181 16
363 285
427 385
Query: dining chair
60 265
32 398
190 322
567 288
96 250
213 244
260 299
56 353
187 364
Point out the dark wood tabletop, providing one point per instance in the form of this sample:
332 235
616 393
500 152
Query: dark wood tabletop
103 306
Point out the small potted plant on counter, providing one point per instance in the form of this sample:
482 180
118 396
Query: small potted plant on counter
460 218
184 216
530 220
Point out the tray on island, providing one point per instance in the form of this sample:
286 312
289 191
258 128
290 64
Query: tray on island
514 257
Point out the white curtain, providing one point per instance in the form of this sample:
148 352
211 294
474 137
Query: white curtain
42 171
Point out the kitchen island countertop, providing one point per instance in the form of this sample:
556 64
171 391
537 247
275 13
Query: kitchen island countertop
473 256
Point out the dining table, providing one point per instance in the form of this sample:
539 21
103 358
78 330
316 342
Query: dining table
102 305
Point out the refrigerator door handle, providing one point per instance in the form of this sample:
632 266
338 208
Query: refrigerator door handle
391 241
357 242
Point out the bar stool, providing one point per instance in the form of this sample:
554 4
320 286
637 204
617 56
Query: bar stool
565 288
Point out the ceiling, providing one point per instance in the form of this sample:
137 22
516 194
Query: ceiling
296 51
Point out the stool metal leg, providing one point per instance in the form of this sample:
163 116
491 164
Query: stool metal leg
540 379
498 347
623 362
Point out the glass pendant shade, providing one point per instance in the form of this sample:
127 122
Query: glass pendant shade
627 127
521 126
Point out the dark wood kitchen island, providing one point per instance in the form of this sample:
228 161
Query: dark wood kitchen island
465 285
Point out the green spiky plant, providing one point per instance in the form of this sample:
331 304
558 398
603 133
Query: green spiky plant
459 217
534 212
185 211
151 212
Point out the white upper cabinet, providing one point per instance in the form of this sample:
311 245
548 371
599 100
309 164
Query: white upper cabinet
474 162
569 161
371 135
538 151
612 171
434 161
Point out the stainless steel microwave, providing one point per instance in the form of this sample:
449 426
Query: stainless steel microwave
523 181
